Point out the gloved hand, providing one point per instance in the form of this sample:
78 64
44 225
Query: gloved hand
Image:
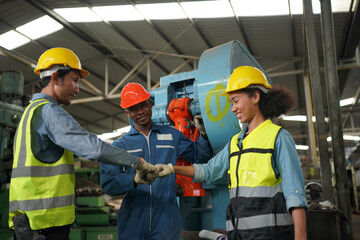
164 169
146 173
199 124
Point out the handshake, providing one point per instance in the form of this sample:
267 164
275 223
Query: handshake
146 173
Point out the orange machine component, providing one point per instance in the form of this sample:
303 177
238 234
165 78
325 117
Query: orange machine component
180 114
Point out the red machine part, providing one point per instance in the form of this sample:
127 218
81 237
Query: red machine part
180 114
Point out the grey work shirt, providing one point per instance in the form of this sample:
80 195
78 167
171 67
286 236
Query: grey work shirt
54 129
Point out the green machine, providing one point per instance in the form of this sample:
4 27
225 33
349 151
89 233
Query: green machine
12 104
95 219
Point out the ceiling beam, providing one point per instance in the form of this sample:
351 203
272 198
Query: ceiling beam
163 36
82 35
197 28
100 112
241 28
352 37
350 40
126 37
100 126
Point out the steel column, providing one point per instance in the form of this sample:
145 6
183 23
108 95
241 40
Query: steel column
318 103
332 86
310 124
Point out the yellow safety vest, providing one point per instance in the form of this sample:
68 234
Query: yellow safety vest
257 207
44 191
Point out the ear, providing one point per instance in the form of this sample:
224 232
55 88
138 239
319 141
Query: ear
127 113
54 78
256 97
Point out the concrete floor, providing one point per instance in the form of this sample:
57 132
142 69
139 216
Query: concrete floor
356 226
194 235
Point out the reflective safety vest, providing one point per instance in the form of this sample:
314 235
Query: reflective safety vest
257 208
44 191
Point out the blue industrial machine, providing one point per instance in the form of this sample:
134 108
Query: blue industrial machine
179 98
182 96
12 104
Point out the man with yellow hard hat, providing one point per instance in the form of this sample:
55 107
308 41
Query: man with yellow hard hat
42 187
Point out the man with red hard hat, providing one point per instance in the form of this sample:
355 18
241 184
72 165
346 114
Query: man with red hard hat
156 204
42 187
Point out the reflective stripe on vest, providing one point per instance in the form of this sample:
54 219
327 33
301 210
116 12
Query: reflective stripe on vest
260 221
44 191
256 196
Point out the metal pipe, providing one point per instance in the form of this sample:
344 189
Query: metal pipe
148 73
318 103
332 86
310 124
356 194
356 100
106 75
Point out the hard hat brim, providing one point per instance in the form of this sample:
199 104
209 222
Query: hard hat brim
224 93
83 73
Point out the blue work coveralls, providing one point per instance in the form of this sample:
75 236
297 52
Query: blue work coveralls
151 212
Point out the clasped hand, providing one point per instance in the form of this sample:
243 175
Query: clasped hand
146 173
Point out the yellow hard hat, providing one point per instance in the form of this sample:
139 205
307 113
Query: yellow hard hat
244 76
59 56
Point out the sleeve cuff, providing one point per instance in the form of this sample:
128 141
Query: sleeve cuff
296 201
199 174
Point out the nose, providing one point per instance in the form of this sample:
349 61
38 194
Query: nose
233 108
76 88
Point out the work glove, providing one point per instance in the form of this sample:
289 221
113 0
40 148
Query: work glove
164 169
199 124
146 173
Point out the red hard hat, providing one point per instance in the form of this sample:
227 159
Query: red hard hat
132 94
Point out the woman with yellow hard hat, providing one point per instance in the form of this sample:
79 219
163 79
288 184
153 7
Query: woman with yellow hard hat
267 197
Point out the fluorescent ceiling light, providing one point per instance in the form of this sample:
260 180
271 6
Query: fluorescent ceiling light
208 9
299 118
246 8
296 6
351 138
161 11
80 14
340 5
348 101
118 13
40 27
197 9
346 137
11 40
301 147
114 134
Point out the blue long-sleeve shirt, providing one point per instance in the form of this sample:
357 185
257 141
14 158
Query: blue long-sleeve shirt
54 129
284 160
151 212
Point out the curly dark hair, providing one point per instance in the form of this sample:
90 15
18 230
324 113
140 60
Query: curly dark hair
279 100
